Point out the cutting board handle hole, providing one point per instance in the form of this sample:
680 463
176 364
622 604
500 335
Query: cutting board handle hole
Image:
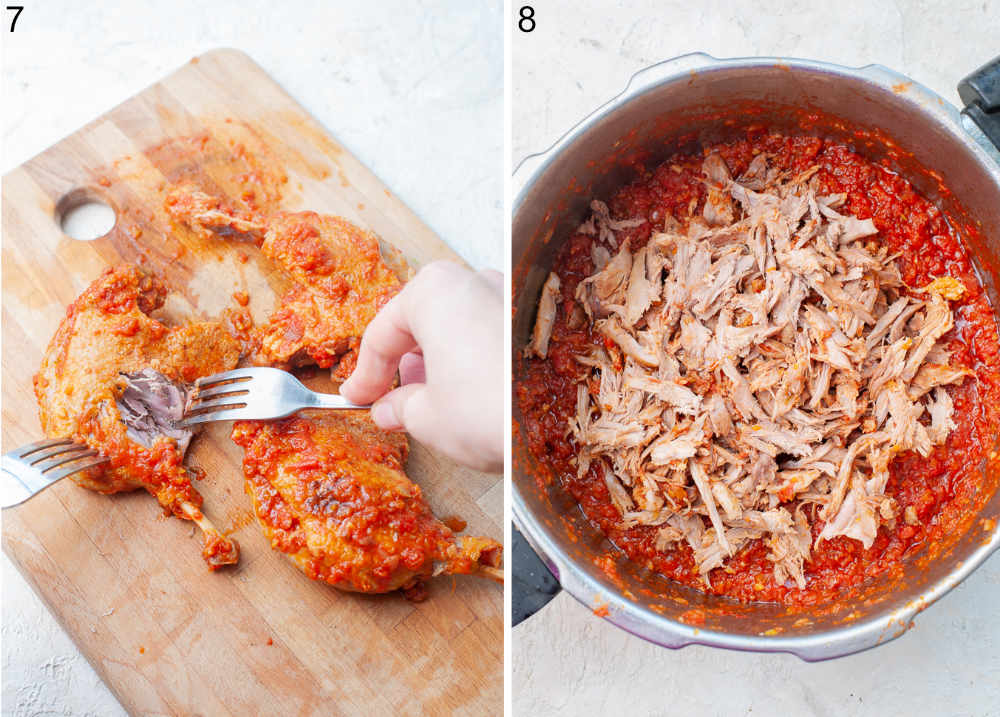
84 215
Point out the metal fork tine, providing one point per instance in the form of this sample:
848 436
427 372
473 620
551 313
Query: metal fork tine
239 374
37 446
235 414
217 404
241 388
59 460
53 451
70 470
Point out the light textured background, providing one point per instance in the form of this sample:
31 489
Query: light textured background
414 89
568 662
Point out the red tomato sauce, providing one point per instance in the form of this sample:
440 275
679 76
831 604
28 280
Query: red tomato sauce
944 489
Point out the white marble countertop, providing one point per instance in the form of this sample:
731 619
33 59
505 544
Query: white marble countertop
565 660
425 84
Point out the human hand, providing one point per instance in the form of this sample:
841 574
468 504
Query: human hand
444 334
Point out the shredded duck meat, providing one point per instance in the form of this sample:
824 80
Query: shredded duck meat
761 368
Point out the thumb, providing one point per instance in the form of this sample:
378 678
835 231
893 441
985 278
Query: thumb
412 408
405 408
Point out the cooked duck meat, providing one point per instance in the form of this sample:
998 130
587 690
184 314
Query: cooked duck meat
539 345
151 405
642 352
766 357
598 293
603 226
112 378
643 284
211 216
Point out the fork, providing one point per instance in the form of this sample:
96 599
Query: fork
255 394
30 469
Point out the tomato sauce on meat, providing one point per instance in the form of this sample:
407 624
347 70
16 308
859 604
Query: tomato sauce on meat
938 494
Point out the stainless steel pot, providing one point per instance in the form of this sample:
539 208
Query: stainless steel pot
678 105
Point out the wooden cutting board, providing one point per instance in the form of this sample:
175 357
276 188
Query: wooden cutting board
127 583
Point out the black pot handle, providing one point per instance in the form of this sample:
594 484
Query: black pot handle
980 92
534 584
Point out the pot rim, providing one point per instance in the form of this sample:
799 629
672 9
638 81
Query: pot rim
634 617
933 104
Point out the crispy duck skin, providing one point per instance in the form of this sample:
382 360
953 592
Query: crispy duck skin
108 347
340 279
331 493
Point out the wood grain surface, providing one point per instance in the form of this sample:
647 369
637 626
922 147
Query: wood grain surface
127 583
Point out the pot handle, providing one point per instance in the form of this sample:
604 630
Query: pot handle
534 584
980 92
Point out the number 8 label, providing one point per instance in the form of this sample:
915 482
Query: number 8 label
527 21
